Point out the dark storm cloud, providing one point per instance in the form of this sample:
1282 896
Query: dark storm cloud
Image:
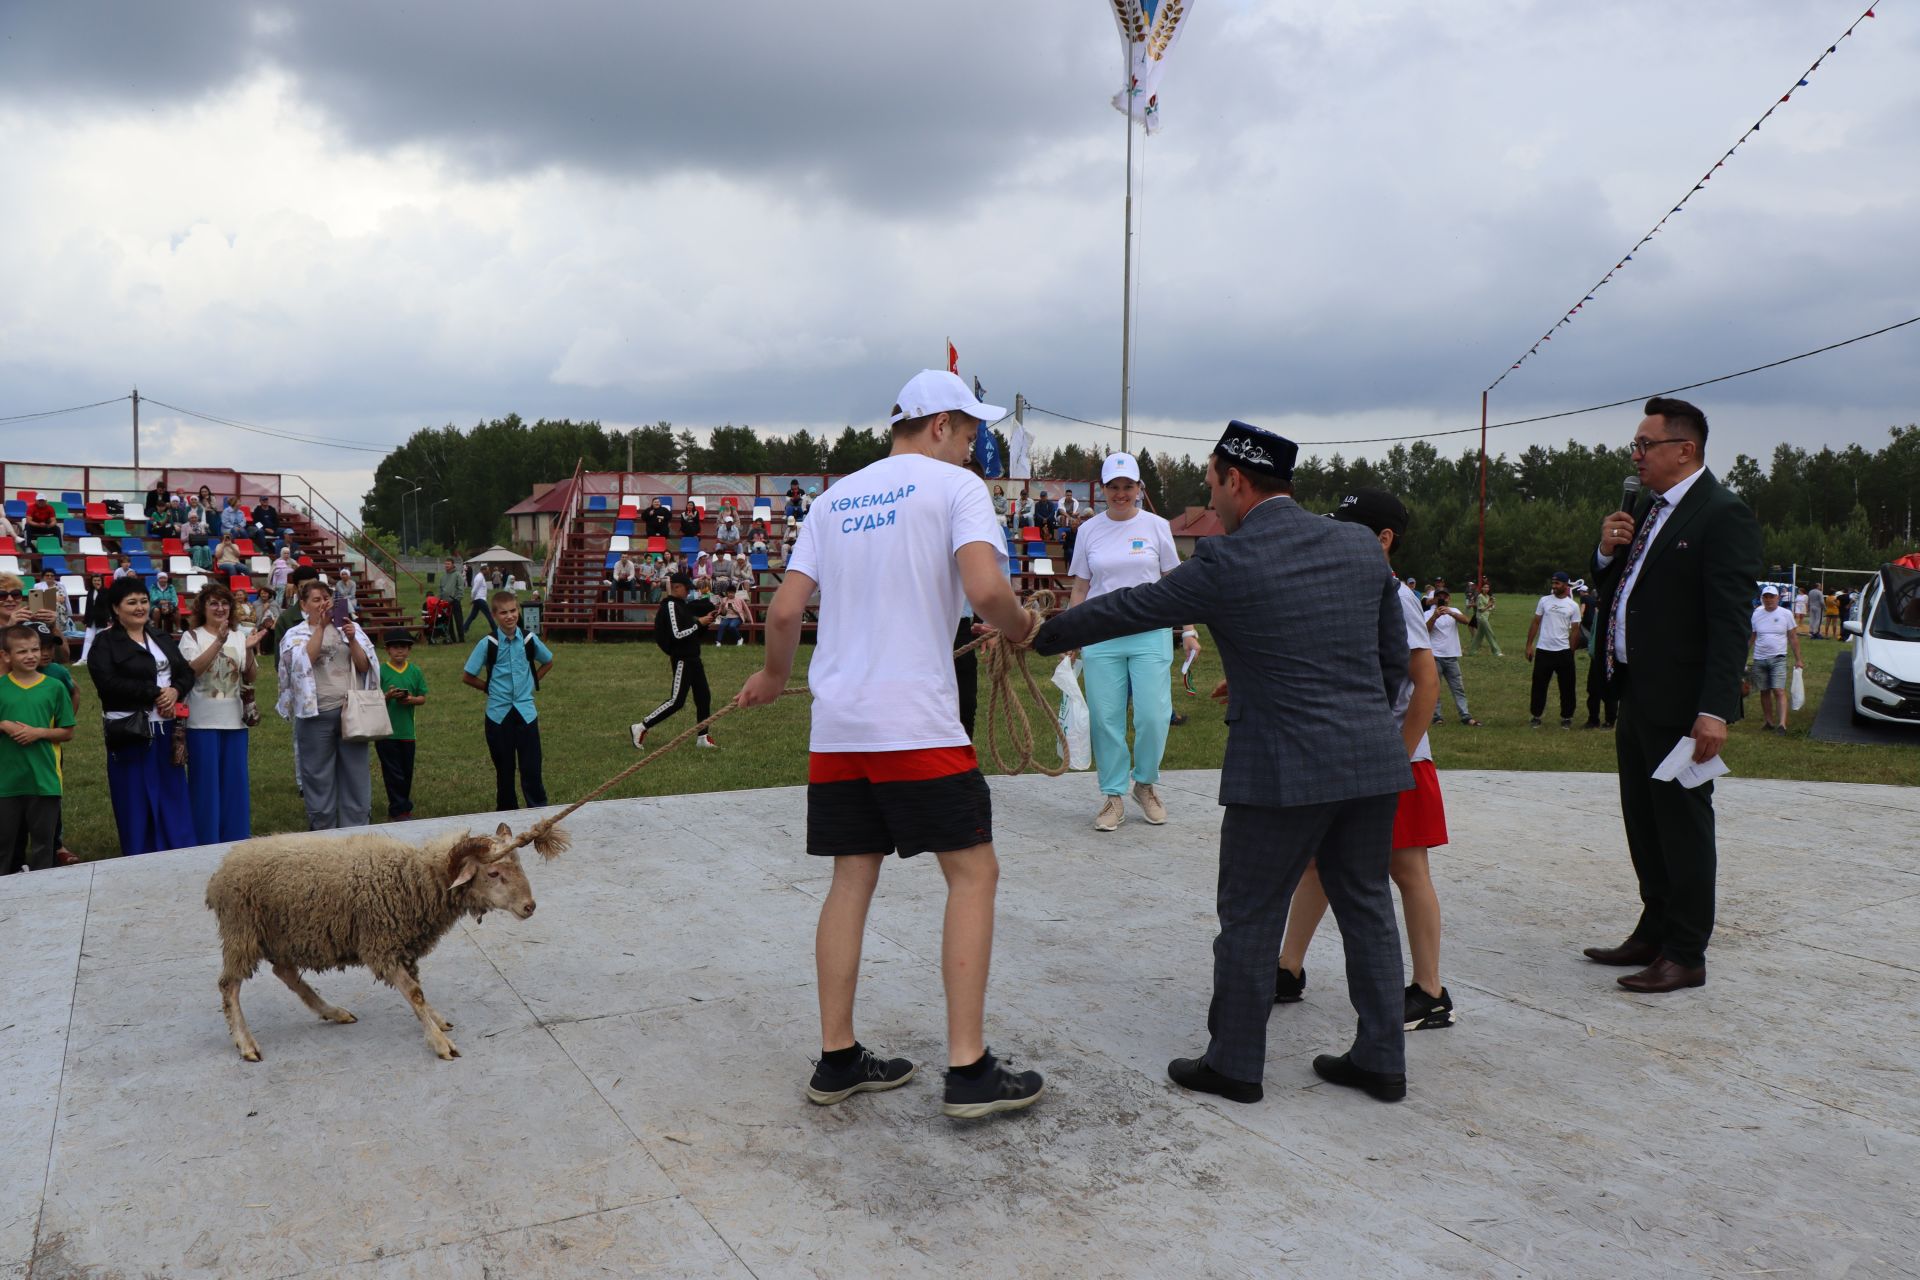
893 104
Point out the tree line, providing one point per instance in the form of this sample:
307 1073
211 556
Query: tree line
1847 508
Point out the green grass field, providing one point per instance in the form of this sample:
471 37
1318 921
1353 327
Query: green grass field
595 691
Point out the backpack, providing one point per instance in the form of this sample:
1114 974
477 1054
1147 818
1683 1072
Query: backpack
492 640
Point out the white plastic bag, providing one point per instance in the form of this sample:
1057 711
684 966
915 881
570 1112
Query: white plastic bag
1797 696
1075 723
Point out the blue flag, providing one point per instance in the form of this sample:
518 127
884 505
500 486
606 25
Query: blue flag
986 452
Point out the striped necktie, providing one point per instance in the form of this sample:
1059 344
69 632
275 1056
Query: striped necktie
1638 549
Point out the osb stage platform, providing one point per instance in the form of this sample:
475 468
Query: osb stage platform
630 1098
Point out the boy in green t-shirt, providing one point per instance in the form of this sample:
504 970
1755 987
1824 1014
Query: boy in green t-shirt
36 714
405 686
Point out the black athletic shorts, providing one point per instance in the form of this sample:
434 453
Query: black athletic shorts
927 801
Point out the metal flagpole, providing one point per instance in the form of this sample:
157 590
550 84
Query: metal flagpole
1126 270
1480 574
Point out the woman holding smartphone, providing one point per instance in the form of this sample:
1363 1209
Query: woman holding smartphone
321 657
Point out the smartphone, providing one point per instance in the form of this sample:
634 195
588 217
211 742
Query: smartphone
342 611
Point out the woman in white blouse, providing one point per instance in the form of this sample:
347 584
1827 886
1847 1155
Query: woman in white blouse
223 660
1124 546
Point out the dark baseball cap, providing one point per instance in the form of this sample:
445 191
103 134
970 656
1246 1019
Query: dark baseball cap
683 579
1375 508
397 635
1563 577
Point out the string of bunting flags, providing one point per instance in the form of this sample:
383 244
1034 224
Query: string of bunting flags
1621 265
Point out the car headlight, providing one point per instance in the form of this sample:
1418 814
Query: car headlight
1881 678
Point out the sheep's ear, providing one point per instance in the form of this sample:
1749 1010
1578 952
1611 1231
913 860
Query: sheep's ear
464 860
503 831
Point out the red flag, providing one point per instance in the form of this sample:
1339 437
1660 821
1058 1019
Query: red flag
953 357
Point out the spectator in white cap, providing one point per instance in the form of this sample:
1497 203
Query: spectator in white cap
1124 546
1773 633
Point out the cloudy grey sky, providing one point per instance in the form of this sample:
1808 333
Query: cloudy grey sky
358 218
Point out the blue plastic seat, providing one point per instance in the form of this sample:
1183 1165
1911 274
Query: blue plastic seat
1036 548
56 563
74 527
73 499
759 561
16 509
613 558
623 528
140 563
133 546
690 546
597 502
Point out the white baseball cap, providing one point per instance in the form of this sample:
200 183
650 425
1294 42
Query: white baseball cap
932 391
1119 466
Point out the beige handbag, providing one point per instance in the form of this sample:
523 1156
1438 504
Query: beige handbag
364 717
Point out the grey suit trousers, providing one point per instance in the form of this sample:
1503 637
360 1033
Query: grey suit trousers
1263 852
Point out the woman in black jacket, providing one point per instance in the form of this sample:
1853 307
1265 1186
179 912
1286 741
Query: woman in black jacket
140 675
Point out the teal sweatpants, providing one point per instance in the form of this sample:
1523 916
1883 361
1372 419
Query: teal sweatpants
1112 669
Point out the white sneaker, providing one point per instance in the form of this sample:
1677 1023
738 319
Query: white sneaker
704 741
1149 801
1112 813
639 732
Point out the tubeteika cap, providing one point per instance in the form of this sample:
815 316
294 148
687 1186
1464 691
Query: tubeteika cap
934 391
1119 466
1257 449
1376 509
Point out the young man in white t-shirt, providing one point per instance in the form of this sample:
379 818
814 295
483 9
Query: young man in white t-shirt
1420 818
897 550
1443 627
1551 640
1773 633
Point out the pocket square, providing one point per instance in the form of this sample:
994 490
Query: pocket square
1680 545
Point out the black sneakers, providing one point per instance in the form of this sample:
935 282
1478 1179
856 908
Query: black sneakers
1425 1012
1287 989
1195 1074
994 1089
865 1074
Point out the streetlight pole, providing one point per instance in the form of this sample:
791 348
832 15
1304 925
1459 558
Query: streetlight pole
403 515
403 505
433 520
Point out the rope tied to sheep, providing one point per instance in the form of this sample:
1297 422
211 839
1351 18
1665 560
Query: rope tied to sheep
1003 658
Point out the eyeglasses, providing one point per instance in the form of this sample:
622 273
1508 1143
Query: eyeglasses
1640 447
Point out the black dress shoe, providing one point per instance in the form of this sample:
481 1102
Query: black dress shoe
1378 1084
1629 953
1664 975
1195 1074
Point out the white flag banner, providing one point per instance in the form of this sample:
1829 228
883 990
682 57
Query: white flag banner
1151 28
1020 447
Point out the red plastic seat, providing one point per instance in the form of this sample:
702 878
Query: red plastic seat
173 547
239 582
99 564
7 547
628 513
657 546
96 511
1030 534
27 496
306 560
244 546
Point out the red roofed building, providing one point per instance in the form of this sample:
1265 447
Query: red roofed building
530 522
1192 525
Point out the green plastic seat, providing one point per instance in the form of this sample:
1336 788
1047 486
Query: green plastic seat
116 529
47 546
59 509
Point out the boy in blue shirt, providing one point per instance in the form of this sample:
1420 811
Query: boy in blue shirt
508 666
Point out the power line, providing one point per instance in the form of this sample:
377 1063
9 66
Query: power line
1520 422
53 413
1566 317
273 432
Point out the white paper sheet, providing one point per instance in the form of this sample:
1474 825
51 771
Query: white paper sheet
1679 766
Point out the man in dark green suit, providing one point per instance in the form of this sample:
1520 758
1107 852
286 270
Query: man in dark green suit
1676 579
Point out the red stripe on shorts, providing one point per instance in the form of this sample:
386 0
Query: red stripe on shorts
890 766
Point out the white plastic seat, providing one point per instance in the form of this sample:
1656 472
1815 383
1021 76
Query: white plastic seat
10 564
1041 566
91 546
261 565
620 542
179 566
74 585
633 500
196 583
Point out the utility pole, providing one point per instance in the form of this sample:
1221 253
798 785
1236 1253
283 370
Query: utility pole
136 435
1126 278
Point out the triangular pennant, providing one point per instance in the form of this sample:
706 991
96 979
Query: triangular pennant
1803 83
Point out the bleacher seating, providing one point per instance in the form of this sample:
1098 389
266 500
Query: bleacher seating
16 509
597 502
10 564
91 546
73 527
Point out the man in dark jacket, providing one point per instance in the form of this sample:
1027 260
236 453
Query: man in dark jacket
677 629
657 520
1676 578
1314 765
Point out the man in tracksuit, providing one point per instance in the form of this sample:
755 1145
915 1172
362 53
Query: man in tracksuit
677 627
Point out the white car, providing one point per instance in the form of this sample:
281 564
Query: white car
1886 648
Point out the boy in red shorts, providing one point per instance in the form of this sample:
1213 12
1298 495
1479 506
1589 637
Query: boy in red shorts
896 551
1420 822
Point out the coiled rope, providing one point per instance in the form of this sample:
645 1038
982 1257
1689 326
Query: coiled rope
1003 659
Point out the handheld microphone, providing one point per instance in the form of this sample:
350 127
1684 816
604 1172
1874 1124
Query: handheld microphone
1629 491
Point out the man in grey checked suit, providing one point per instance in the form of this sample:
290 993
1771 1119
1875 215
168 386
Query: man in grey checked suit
1309 626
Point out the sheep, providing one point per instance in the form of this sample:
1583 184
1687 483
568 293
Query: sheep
320 901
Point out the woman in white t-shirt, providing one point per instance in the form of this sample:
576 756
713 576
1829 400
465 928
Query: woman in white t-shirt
1124 546
223 662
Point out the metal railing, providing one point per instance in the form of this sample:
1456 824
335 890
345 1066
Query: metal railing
562 531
